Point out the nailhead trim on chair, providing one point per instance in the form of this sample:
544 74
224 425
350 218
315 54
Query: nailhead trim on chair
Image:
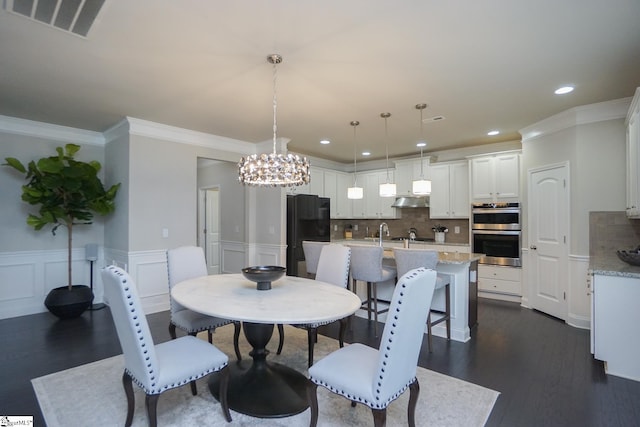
143 345
377 404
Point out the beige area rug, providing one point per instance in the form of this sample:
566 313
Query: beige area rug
92 394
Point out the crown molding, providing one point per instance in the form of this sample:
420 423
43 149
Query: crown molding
635 106
184 136
592 113
50 131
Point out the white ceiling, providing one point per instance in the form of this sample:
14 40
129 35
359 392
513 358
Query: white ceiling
201 65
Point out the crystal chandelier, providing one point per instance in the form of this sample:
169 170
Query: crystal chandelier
387 189
354 192
274 170
421 187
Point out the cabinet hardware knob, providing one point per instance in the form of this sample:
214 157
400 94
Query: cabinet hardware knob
534 247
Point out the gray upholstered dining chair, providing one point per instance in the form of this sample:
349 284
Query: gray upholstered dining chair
312 252
333 267
161 367
184 263
376 377
408 259
367 266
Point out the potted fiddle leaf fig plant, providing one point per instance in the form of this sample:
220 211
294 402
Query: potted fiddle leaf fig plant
68 192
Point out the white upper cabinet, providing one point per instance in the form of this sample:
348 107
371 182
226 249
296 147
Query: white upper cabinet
329 183
374 205
633 157
495 178
335 187
316 186
406 172
449 190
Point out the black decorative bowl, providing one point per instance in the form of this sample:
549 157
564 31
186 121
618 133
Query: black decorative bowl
630 257
264 275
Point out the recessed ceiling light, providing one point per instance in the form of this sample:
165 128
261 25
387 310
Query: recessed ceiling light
421 144
493 132
563 90
325 141
366 153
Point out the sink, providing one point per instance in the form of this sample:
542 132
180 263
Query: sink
417 239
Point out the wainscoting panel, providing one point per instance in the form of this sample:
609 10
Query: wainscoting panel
17 281
27 277
233 256
266 254
149 270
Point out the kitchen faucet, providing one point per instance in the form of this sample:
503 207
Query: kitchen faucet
383 226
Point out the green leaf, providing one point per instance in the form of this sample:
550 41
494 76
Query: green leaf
71 149
15 163
51 165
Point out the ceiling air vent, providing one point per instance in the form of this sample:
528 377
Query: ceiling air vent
433 119
75 16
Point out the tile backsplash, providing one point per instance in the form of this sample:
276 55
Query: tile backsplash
612 231
417 218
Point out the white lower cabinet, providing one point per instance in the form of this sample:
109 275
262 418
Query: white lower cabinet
614 324
500 282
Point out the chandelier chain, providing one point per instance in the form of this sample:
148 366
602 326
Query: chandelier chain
355 162
386 140
275 104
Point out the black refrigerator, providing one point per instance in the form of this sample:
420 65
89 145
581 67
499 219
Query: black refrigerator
307 219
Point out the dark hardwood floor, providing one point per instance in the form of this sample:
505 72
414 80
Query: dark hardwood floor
542 367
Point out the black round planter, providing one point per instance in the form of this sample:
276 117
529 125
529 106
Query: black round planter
68 303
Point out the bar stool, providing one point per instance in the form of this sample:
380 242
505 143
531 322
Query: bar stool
408 259
366 265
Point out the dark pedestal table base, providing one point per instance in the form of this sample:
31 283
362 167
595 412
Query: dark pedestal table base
259 388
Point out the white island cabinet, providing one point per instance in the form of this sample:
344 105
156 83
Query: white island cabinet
614 323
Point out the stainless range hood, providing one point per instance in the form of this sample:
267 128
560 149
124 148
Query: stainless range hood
411 202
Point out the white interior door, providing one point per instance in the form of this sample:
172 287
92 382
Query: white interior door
548 234
210 228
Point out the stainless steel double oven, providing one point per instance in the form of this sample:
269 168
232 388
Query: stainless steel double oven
496 232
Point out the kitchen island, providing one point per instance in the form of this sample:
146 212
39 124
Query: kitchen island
461 267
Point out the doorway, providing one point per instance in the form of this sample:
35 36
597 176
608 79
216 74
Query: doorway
209 227
548 219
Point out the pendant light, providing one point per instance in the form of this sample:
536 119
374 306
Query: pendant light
354 192
421 187
274 170
387 189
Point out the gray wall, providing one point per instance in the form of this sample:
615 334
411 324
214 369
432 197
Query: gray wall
117 170
596 156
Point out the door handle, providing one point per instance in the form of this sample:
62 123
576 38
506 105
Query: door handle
534 247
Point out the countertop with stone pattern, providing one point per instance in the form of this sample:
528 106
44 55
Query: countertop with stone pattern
611 265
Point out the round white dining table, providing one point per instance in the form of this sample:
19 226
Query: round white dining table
259 387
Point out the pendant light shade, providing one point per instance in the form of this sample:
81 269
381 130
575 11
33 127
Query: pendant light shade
421 187
274 170
388 189
355 192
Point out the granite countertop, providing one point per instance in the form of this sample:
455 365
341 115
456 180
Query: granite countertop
611 265
397 243
447 257
457 257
